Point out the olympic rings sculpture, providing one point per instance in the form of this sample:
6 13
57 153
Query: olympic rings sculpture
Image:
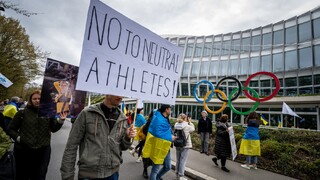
235 93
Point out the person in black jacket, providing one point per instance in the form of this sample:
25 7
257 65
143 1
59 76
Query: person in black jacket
222 146
204 129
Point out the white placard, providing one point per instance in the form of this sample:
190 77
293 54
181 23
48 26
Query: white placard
121 57
5 81
233 143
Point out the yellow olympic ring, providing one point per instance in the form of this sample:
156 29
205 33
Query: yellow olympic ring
224 105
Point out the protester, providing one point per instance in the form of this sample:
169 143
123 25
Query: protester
158 142
204 129
10 110
101 133
222 146
32 135
183 123
250 143
140 121
7 165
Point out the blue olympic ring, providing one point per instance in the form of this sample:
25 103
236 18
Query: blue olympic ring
195 91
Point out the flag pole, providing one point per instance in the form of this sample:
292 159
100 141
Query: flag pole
135 115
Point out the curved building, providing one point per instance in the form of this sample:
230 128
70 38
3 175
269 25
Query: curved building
289 48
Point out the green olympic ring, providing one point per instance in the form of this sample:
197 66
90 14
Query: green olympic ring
253 108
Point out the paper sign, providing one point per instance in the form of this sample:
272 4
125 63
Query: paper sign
5 81
121 57
233 143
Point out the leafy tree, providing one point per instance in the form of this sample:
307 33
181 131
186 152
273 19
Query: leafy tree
20 59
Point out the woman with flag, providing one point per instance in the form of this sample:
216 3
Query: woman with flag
250 143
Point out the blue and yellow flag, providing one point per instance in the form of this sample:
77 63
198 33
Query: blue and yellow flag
123 108
263 119
158 139
250 143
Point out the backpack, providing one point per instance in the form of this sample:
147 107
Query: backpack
181 139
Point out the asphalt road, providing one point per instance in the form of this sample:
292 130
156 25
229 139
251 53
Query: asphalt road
128 170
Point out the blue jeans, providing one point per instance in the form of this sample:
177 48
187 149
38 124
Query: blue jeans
251 159
155 174
114 176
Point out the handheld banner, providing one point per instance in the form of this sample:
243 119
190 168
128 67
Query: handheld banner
121 57
5 81
233 143
58 93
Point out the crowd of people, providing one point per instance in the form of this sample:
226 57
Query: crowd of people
102 131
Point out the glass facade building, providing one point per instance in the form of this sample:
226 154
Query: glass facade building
289 48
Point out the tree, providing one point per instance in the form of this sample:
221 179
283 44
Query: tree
20 59
6 5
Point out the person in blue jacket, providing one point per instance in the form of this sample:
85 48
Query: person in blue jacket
140 121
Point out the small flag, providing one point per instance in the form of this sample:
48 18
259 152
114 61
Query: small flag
123 108
279 123
263 119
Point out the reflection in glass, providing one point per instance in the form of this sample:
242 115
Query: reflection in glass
291 35
266 63
198 50
207 49
244 66
291 60
245 47
255 64
305 80
316 28
185 68
216 48
305 57
266 41
278 37
278 62
307 90
184 89
316 79
226 47
195 68
224 67
289 82
204 68
291 92
235 46
234 65
256 43
305 31
189 50
214 68
317 55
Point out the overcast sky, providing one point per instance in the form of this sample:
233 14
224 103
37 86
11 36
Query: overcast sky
59 26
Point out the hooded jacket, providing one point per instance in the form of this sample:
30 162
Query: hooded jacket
99 148
188 128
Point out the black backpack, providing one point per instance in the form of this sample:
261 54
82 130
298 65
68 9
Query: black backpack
181 139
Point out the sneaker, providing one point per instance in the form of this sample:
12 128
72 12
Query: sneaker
215 160
245 166
253 166
132 152
183 178
225 169
139 159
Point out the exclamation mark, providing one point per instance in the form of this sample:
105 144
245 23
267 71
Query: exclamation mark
174 85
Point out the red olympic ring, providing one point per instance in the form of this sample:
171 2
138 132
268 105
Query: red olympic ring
275 92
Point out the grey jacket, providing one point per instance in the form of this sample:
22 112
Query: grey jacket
99 149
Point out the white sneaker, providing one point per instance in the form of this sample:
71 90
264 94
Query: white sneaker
132 152
253 166
245 166
139 159
182 178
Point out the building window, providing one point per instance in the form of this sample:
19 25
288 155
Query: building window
308 122
290 82
254 84
203 90
214 68
256 43
185 69
265 92
245 45
316 79
198 50
234 65
265 83
278 37
316 28
204 68
189 50
266 41
307 90
316 55
244 66
195 68
216 48
305 80
266 63
255 64
184 89
235 49
224 67
226 47
274 84
207 49
305 33
291 35
291 92
278 64
291 60
305 57
317 90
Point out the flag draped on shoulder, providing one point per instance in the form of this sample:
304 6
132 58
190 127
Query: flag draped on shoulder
250 143
158 139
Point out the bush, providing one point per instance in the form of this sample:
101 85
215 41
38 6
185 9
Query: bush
271 149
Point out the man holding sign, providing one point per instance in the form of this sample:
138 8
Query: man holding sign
101 133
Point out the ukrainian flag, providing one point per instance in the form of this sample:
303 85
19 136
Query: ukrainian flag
158 139
123 108
10 110
263 119
250 143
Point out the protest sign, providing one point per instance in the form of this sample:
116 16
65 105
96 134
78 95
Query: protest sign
58 93
121 57
233 143
5 81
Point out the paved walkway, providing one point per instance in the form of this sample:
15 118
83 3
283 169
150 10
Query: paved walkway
200 166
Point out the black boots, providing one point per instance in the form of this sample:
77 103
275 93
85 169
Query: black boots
215 160
145 173
225 169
